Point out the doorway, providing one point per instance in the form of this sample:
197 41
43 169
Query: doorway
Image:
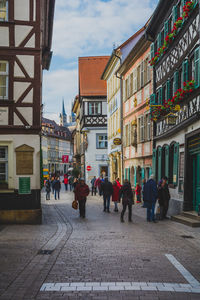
196 181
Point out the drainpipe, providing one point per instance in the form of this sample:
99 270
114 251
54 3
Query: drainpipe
121 103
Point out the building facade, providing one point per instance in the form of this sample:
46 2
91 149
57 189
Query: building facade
56 147
137 132
93 117
25 43
76 135
175 57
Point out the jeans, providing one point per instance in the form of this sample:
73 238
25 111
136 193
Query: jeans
138 198
48 195
106 201
66 187
57 192
71 187
82 207
151 212
116 207
129 210
94 190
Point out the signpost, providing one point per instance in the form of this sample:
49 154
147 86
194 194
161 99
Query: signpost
88 168
24 185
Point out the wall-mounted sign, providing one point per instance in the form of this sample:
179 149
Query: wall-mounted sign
65 159
117 141
88 168
24 160
24 185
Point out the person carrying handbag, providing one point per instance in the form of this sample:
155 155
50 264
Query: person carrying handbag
127 200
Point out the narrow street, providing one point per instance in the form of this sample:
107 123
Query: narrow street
98 257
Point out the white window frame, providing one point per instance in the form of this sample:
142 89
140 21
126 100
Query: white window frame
148 133
1 10
4 160
104 140
5 74
141 128
94 108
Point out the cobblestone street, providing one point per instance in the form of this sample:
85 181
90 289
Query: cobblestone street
98 257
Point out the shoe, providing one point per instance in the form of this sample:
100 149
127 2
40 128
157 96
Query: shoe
104 210
148 220
108 211
154 221
122 220
130 221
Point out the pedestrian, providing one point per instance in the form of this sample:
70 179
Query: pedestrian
94 189
150 197
71 180
107 190
57 187
76 181
115 195
118 182
52 181
98 185
127 200
66 181
143 183
166 197
138 192
48 189
81 193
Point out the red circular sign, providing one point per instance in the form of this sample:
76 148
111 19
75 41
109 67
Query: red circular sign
89 168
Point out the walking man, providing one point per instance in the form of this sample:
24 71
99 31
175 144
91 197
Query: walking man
107 190
150 197
81 192
48 189
127 200
94 189
56 187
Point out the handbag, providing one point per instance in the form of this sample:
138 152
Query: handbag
75 204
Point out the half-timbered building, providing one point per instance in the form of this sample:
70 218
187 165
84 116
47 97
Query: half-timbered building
175 103
25 49
93 117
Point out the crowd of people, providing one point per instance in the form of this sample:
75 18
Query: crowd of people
149 194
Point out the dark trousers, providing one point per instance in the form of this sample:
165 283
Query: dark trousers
48 195
165 208
57 192
82 207
94 190
106 202
71 187
66 187
129 210
151 212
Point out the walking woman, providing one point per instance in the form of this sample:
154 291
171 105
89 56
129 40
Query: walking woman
115 195
127 200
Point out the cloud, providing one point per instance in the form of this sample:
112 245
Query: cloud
59 84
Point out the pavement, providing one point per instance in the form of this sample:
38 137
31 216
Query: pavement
98 257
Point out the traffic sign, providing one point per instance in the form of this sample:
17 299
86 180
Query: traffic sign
89 168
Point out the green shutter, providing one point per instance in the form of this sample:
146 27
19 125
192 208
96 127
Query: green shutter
167 161
174 13
150 171
135 176
143 173
175 164
176 79
160 95
129 174
185 70
152 50
197 67
166 28
168 89
159 163
154 162
125 173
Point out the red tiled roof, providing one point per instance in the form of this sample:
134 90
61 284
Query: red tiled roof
90 70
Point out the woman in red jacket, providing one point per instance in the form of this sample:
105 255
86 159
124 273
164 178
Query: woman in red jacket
138 192
115 195
66 181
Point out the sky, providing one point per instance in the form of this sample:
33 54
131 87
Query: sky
86 28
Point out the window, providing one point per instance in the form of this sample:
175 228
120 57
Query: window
102 141
3 10
3 165
94 108
3 80
142 74
138 78
148 129
141 129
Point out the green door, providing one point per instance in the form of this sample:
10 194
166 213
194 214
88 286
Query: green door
196 182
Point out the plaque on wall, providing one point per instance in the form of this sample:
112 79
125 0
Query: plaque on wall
24 160
24 185
3 116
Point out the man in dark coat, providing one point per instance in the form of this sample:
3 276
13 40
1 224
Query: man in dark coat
150 197
81 192
107 190
57 187
127 200
94 189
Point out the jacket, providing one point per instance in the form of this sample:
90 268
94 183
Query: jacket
138 190
163 195
66 180
97 183
48 186
115 194
81 191
150 191
107 188
93 181
56 185
126 193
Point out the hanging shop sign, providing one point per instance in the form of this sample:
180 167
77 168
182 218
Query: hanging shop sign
117 141
65 159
